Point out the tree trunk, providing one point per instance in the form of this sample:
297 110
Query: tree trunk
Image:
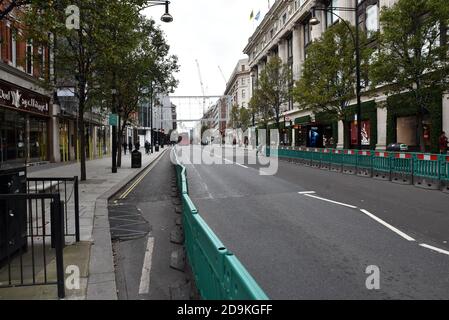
422 146
81 132
119 148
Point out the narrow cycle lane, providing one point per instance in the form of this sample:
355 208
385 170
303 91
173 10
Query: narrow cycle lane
301 247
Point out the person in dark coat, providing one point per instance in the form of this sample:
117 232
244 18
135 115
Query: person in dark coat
137 145
443 143
125 146
147 147
130 145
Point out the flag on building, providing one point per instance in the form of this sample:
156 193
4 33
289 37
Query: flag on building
251 16
257 16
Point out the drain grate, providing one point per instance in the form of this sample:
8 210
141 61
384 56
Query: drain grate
126 222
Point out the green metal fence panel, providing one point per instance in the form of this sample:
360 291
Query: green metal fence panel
239 284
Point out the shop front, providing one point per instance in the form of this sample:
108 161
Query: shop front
368 124
403 123
317 134
24 125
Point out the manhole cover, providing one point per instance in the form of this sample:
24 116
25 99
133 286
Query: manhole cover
126 222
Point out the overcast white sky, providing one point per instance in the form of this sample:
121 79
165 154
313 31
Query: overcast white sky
215 33
212 31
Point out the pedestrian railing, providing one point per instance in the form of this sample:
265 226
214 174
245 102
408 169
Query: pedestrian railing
68 188
32 240
430 171
218 273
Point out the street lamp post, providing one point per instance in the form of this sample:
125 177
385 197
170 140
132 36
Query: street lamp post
356 38
151 117
114 133
166 17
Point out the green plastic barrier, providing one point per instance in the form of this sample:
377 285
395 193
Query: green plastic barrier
349 161
218 274
401 167
365 163
239 284
326 159
444 162
426 171
382 166
316 158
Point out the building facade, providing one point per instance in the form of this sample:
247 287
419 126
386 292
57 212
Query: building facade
239 85
162 121
286 32
26 108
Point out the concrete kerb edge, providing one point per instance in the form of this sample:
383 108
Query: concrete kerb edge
101 261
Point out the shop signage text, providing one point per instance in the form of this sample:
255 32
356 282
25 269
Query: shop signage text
24 100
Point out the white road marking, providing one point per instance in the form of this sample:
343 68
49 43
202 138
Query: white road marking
434 248
236 163
144 287
307 192
331 201
389 226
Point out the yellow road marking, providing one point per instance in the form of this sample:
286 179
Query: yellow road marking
135 183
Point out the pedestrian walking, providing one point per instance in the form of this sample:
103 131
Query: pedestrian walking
443 143
137 145
130 145
125 146
147 147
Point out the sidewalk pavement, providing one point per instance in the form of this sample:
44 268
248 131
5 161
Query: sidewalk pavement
94 254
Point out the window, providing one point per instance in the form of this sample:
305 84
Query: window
13 46
307 34
29 57
368 12
290 47
332 14
41 61
243 94
284 18
243 81
372 19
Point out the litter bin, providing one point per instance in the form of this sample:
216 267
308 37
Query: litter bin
13 224
136 159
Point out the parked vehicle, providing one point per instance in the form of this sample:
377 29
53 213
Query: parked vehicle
397 147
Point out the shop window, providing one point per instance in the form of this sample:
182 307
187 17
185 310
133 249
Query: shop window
12 137
38 139
406 129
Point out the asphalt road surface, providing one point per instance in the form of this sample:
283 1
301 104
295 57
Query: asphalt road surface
306 233
140 226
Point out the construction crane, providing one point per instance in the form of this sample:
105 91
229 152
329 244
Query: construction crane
202 86
222 74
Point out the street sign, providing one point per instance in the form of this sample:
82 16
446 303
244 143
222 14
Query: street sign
113 119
